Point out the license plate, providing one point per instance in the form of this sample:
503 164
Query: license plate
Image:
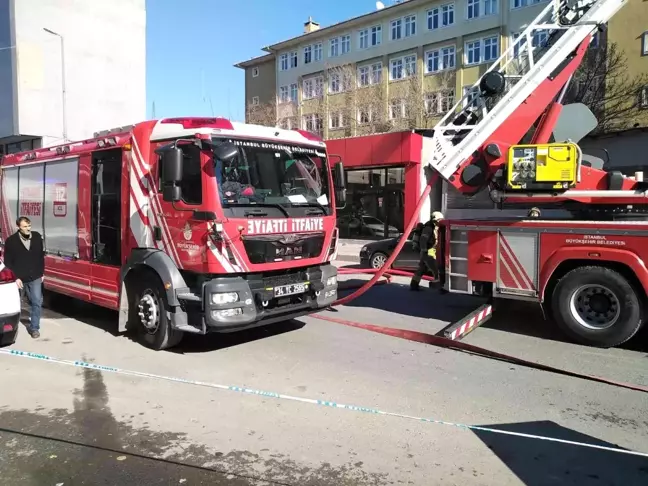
290 289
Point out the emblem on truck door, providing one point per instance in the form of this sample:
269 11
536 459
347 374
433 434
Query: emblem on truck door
186 232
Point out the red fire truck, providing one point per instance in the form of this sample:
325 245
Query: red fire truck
581 251
185 224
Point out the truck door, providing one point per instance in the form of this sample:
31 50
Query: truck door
106 222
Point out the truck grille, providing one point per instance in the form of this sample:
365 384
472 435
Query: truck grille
275 248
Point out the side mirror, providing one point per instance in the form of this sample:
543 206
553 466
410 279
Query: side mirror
171 165
225 151
171 193
339 183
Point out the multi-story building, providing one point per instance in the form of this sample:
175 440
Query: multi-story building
403 65
68 69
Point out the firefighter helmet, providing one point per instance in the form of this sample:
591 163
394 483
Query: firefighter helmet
437 215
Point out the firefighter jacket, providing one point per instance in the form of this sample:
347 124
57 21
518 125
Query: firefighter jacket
429 239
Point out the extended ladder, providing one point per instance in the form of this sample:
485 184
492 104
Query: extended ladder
525 65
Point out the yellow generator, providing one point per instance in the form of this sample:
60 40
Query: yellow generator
551 166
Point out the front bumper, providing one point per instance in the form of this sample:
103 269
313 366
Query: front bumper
9 329
257 304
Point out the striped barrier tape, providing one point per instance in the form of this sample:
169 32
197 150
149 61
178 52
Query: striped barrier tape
312 401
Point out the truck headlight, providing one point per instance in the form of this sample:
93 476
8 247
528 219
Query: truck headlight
331 281
224 298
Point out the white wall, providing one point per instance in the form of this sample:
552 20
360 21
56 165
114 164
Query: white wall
105 66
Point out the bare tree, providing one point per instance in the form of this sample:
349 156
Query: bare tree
603 83
263 114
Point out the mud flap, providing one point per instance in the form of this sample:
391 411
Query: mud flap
123 309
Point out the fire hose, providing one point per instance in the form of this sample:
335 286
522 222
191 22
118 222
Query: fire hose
416 336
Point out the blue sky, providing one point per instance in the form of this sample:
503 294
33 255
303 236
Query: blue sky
195 43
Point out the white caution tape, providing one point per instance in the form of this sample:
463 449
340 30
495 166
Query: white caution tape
324 403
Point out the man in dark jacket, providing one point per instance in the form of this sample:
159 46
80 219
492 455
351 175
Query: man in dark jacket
427 246
25 257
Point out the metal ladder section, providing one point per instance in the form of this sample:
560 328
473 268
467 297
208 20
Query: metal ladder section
457 272
522 78
113 131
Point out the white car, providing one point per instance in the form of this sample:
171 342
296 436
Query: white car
9 306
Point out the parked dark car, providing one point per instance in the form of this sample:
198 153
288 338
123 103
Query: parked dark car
376 253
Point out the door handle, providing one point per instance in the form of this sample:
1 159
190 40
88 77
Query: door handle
485 258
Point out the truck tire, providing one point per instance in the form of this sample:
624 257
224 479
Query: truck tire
597 306
151 315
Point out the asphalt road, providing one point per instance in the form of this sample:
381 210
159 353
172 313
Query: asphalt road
61 425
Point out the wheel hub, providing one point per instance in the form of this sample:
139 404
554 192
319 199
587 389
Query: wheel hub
379 261
149 312
595 306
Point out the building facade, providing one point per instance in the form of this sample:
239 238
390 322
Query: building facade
69 68
404 66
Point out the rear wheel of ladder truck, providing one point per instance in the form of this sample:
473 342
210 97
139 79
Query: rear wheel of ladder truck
151 314
597 306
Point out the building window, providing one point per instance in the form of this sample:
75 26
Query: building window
363 39
313 123
440 59
308 54
255 72
396 29
313 88
334 47
442 16
410 25
481 8
644 44
376 35
335 83
345 44
293 92
403 67
339 83
337 120
283 94
524 3
370 37
293 59
398 109
439 102
540 38
255 100
643 97
365 116
376 73
481 50
364 76
317 52
288 123
404 27
472 92
283 62
368 75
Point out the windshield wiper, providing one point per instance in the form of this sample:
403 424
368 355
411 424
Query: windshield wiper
312 205
267 205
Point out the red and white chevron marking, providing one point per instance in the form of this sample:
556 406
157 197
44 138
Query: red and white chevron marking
470 323
512 273
148 208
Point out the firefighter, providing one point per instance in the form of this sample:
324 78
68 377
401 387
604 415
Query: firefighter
427 243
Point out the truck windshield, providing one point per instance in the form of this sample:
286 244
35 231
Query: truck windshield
272 173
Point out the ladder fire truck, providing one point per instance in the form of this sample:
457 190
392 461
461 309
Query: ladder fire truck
588 268
184 225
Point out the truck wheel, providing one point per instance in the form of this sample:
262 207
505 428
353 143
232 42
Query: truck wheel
152 319
597 306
